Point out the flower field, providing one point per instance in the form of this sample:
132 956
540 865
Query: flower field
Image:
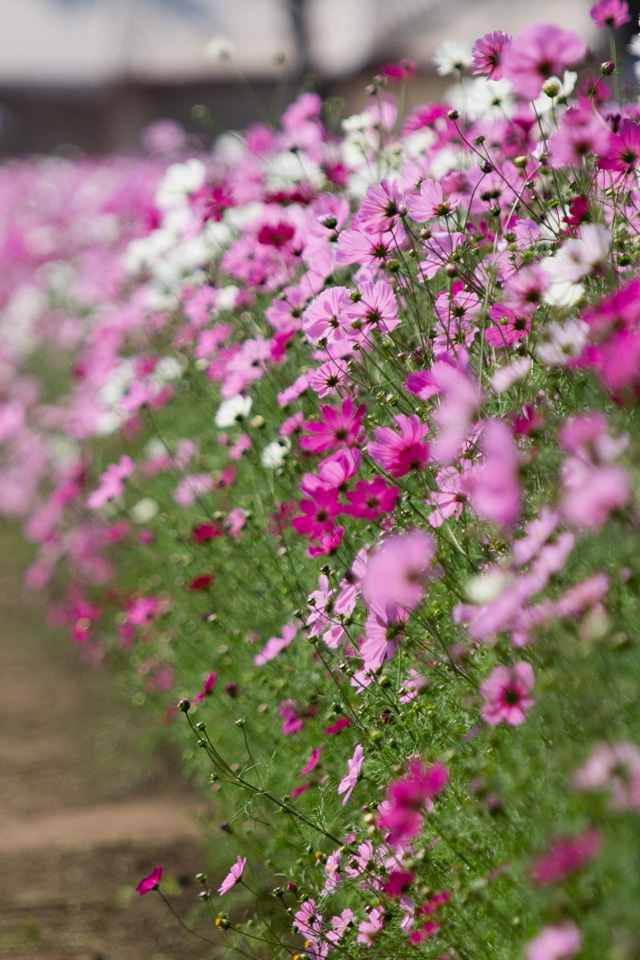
329 440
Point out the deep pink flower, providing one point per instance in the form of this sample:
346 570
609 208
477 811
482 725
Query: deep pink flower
555 943
408 798
400 453
337 726
276 235
152 882
403 70
206 531
506 694
208 685
347 783
317 514
233 876
337 428
610 13
293 716
565 856
488 52
540 52
623 151
371 499
200 583
398 883
311 763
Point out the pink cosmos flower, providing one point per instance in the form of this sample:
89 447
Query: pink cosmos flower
540 52
565 856
336 429
488 52
610 13
431 202
592 492
371 499
400 453
454 487
152 882
233 876
506 694
348 783
321 321
293 716
375 307
371 927
111 485
403 70
555 943
408 798
384 628
350 585
312 762
317 514
208 685
623 152
495 494
461 398
356 245
382 207
581 132
274 645
398 568
615 766
340 925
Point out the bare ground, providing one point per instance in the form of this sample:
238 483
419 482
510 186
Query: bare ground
86 808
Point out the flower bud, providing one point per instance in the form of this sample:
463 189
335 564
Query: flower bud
552 87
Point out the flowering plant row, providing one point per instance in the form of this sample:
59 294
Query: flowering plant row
347 461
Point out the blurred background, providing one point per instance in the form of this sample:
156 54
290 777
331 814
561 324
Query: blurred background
92 74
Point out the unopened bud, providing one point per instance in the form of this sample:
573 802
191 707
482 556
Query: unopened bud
607 68
184 705
453 115
552 87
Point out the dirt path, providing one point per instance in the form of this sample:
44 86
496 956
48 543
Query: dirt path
85 810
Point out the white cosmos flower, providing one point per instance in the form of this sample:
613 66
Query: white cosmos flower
452 55
564 341
144 510
233 410
274 453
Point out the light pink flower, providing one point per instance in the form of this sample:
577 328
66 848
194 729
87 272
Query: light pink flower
348 783
274 645
111 485
555 943
616 767
233 876
398 568
495 495
540 52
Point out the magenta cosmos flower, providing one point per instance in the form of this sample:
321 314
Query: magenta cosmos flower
400 453
506 694
610 13
540 52
152 882
233 876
